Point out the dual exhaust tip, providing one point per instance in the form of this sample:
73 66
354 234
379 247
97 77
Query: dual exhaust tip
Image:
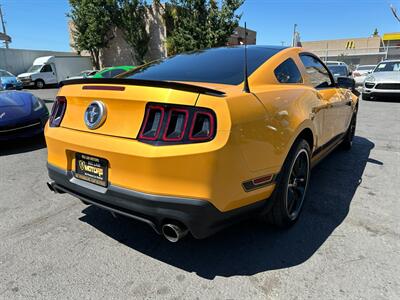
172 232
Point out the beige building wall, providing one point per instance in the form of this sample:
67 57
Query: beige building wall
237 38
118 51
354 51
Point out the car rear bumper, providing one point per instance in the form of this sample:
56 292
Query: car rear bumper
201 217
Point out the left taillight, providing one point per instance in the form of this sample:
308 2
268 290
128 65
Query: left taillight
58 111
166 124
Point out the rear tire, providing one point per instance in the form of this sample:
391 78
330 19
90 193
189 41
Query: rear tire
291 189
39 84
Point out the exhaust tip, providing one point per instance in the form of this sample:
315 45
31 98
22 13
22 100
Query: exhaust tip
173 233
50 185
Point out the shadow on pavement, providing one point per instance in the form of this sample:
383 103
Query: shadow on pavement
252 247
22 145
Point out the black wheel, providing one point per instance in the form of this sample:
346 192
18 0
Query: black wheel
39 84
365 97
289 195
348 138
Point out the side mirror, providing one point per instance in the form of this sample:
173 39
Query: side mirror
369 72
346 83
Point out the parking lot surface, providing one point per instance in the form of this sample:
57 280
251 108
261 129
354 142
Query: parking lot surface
345 246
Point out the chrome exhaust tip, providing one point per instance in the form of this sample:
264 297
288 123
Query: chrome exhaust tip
50 185
173 233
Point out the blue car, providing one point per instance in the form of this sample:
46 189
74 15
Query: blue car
22 115
9 82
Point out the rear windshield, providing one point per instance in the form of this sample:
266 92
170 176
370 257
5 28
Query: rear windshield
338 70
218 65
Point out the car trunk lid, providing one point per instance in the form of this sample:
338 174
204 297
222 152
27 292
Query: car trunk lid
125 105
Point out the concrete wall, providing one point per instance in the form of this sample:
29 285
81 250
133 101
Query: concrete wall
18 61
237 38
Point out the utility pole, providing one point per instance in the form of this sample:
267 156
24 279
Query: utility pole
294 35
4 27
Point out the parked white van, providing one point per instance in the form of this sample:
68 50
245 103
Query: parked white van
54 69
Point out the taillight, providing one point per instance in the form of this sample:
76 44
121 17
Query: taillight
177 124
58 111
202 126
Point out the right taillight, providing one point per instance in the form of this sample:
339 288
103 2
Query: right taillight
166 124
58 111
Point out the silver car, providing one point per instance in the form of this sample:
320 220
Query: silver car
384 81
361 72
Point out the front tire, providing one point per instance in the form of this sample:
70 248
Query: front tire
348 138
365 97
39 84
289 195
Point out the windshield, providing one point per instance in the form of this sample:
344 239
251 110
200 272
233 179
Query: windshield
34 68
338 70
365 68
389 66
217 65
5 74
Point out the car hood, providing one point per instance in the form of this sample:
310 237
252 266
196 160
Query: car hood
384 77
8 79
24 74
14 105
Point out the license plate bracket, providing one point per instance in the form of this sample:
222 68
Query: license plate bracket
91 169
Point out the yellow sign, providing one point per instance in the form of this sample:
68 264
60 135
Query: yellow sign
350 45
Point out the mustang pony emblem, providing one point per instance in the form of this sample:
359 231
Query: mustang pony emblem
95 114
2 115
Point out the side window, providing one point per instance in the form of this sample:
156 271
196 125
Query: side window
116 72
287 72
319 75
46 68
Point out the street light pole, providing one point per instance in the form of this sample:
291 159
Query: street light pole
294 35
4 27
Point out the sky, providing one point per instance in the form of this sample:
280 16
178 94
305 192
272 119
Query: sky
42 24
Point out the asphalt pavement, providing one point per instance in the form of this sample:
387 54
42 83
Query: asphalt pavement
345 246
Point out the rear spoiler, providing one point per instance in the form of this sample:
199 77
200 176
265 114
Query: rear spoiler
151 83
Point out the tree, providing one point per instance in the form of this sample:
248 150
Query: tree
376 32
199 24
131 17
91 26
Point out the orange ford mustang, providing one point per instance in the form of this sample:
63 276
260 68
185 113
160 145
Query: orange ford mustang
190 144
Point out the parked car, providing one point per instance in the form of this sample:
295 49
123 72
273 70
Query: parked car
113 71
335 63
195 145
384 81
361 72
8 81
53 69
339 71
21 115
85 74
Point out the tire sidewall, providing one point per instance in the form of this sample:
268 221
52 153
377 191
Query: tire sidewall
281 191
38 82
